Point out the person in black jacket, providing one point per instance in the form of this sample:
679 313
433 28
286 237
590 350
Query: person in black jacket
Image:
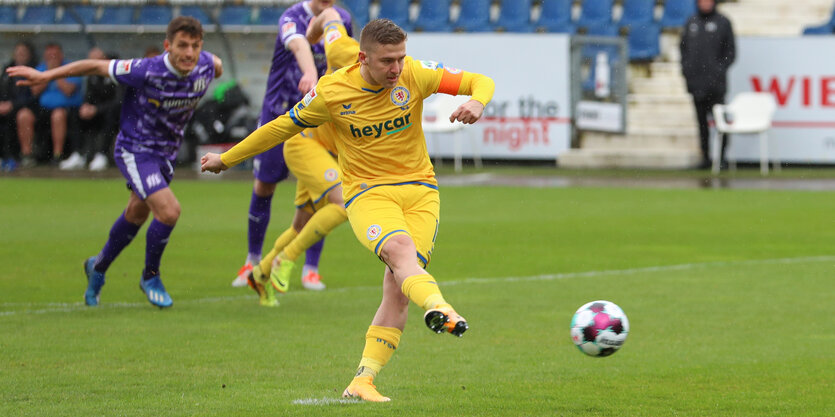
98 120
17 106
707 51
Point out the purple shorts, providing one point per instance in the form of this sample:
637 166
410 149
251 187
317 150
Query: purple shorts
269 166
146 173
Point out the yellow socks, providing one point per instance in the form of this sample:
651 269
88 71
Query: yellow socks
267 261
423 291
319 225
380 344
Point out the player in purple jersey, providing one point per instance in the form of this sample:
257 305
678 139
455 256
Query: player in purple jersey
161 95
295 69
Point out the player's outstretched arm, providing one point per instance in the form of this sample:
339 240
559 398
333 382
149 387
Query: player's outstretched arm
211 162
33 77
304 57
468 113
218 66
317 25
481 88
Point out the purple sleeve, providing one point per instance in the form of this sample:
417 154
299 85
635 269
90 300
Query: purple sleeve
290 27
129 72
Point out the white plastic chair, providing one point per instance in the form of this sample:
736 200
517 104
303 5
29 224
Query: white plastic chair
750 113
436 122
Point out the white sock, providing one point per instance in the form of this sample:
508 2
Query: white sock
309 268
253 259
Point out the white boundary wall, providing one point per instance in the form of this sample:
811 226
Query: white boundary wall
800 73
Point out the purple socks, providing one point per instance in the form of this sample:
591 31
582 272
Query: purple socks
121 235
259 219
155 240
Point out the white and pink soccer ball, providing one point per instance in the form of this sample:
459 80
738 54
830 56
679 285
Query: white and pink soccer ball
599 328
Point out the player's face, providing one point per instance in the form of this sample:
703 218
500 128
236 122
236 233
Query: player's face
384 63
318 5
184 51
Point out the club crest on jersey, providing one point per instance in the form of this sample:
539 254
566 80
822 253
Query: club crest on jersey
288 28
331 175
374 231
123 67
400 96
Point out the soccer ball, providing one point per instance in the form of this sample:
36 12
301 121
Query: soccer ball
599 328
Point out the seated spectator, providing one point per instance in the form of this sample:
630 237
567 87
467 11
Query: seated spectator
16 102
58 102
98 119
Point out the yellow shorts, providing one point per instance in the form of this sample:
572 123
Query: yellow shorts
315 169
389 210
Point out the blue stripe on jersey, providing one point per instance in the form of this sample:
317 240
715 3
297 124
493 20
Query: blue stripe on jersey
422 259
383 239
348 203
373 91
296 120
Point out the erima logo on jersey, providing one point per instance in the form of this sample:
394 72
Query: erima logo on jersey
347 111
376 130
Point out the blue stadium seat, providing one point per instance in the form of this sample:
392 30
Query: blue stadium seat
269 15
196 12
8 15
39 15
514 16
119 15
676 12
555 16
644 41
397 11
637 12
359 10
235 15
154 15
433 16
595 12
825 29
87 14
474 17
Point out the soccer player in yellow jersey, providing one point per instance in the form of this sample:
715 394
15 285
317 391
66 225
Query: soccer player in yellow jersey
388 184
309 156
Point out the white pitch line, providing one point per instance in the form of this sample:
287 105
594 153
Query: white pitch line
326 401
51 307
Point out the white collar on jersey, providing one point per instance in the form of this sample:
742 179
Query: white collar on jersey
307 8
172 69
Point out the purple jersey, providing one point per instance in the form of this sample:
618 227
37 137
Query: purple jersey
283 82
158 102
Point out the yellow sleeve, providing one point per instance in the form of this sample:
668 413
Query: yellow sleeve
341 50
433 77
312 111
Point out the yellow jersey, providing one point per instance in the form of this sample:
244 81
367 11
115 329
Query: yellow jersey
379 135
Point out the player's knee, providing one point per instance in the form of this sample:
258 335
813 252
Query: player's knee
397 249
263 189
335 197
169 215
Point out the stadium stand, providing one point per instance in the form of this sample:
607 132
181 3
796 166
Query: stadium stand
360 11
235 15
397 11
825 29
474 17
595 12
196 12
8 15
676 12
644 41
39 15
555 17
637 12
433 16
117 15
154 15
72 14
269 15
514 16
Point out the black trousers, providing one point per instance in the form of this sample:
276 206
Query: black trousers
704 108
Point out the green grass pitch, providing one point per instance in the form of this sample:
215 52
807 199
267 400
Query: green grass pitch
729 293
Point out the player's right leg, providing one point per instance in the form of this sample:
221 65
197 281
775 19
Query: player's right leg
122 232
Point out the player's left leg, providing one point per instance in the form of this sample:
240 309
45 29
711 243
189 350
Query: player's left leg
381 340
166 210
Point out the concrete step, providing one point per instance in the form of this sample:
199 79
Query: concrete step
629 158
659 100
657 86
660 119
594 140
